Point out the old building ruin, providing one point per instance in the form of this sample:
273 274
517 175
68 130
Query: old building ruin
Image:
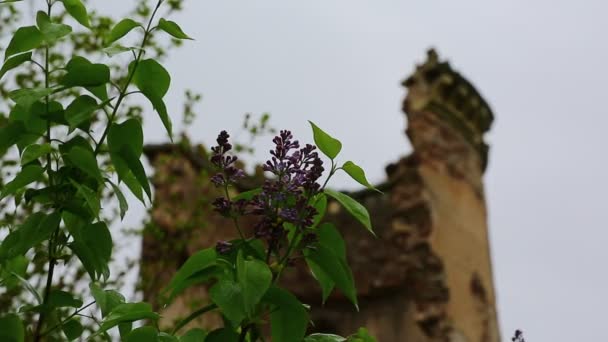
426 277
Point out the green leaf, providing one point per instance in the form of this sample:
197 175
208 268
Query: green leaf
254 278
326 143
289 319
10 135
106 300
199 261
14 62
165 337
116 49
29 288
92 243
143 334
75 141
100 91
320 204
194 335
121 29
85 160
125 313
128 133
335 268
122 201
161 109
324 280
80 110
362 335
132 161
203 276
125 175
125 329
72 329
228 295
25 39
357 173
173 29
33 152
77 10
90 197
153 81
329 237
28 175
11 329
222 335
62 299
37 118
27 96
151 78
324 338
82 73
36 228
12 269
51 31
357 210
247 195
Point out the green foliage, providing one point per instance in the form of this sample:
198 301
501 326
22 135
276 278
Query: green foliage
34 152
11 329
92 244
82 73
288 317
172 28
122 29
72 329
357 210
14 62
254 277
357 173
336 269
68 157
127 313
325 142
51 32
25 39
194 335
199 262
77 10
153 81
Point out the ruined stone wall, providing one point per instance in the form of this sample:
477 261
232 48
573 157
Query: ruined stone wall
426 277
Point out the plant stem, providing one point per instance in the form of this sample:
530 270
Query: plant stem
49 171
331 173
123 92
193 316
283 262
76 313
234 219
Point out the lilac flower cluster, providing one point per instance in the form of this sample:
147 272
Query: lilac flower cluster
518 337
285 197
229 173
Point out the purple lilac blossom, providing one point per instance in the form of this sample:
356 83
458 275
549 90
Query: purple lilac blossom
284 197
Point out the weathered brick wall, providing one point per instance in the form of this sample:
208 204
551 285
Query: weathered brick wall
426 277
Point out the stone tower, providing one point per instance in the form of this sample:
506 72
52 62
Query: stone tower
426 277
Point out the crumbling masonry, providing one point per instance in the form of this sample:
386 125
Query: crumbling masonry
426 277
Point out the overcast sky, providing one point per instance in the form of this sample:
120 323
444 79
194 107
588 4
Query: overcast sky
540 64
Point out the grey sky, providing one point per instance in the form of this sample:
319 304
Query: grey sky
540 64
